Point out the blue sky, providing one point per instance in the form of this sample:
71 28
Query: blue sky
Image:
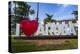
59 11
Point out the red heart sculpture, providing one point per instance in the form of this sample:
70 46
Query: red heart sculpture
29 27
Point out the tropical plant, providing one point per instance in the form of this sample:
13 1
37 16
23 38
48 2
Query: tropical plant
75 14
22 10
48 18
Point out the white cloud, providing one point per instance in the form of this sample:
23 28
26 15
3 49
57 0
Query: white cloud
62 9
66 17
65 5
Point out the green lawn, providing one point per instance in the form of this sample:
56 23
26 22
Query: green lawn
30 45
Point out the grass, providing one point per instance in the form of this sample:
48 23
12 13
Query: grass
31 45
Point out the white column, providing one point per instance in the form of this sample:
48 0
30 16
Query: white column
17 30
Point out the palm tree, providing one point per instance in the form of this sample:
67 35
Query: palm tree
75 14
22 10
48 19
76 17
